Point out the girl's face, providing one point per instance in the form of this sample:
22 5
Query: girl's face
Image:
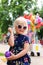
21 28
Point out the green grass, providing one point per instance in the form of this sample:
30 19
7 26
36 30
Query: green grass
1 54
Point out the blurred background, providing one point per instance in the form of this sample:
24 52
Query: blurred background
32 10
11 9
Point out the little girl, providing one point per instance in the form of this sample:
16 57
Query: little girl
19 43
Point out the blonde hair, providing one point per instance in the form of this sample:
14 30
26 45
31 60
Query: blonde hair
21 20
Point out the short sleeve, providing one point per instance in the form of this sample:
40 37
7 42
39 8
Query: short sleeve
26 39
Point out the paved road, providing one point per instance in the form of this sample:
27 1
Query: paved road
35 60
4 48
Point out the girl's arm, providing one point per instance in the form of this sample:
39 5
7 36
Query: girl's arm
19 55
11 38
24 51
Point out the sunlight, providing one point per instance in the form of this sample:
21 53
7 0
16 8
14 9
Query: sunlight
40 3
0 1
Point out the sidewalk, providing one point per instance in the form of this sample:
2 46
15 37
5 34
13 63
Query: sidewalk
4 48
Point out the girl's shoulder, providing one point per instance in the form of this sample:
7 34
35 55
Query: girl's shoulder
25 38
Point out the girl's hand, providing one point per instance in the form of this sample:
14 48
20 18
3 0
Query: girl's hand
12 57
11 37
10 30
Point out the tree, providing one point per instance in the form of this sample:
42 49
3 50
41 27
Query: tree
41 12
40 32
16 8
